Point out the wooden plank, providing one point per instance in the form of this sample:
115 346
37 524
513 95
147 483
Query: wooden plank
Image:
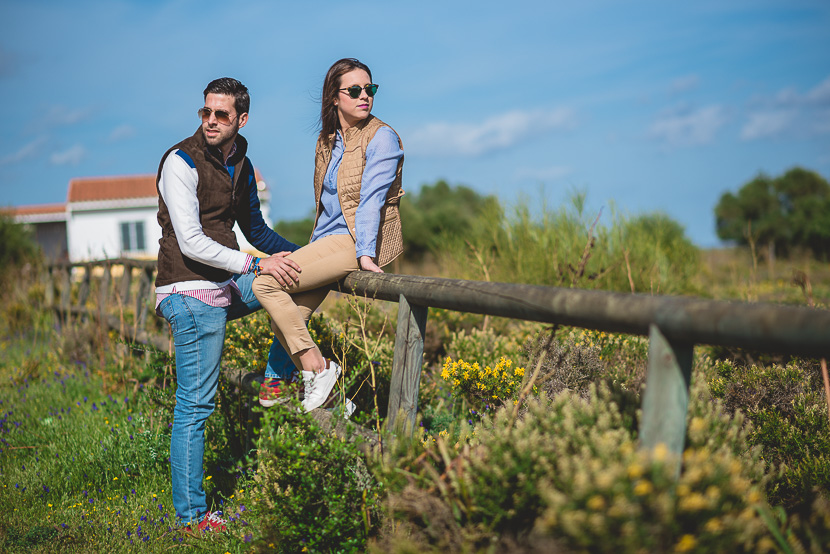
141 297
666 398
104 288
49 287
83 293
407 363
66 291
126 281
756 326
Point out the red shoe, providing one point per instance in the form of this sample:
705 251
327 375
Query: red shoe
212 522
270 392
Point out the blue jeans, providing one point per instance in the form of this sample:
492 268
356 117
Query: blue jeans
198 336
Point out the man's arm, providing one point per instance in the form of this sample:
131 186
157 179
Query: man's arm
253 225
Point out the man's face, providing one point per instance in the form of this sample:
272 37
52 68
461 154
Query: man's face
219 134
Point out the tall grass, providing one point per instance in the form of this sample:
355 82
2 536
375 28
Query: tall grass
569 247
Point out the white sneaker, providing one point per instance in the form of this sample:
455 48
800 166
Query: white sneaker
319 385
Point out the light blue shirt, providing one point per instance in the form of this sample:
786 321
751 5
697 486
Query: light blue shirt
382 156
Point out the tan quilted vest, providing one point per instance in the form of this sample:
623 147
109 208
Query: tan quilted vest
356 139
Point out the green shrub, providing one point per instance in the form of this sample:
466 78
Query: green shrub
569 475
786 405
318 495
566 248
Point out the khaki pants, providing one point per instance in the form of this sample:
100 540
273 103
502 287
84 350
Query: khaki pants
322 262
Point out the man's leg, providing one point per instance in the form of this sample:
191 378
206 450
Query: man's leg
279 364
198 335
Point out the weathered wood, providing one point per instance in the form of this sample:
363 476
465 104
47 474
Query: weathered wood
666 398
83 292
144 290
66 291
49 287
126 281
407 363
104 290
763 327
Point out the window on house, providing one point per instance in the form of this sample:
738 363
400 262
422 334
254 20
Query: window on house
132 236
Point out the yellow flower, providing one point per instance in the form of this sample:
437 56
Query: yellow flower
635 470
685 544
661 452
692 502
596 503
643 488
713 525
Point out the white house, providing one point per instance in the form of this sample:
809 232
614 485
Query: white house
108 217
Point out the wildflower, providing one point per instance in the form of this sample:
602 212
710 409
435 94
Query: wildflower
596 503
643 488
685 544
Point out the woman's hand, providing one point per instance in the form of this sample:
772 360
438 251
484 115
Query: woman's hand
367 264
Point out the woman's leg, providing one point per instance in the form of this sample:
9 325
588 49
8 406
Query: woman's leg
322 262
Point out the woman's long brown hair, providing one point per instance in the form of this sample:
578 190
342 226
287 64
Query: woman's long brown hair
329 122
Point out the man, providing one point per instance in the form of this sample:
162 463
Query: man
206 184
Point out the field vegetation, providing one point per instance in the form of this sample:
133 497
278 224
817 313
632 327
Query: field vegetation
527 434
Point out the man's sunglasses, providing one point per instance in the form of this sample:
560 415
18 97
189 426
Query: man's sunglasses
354 90
222 116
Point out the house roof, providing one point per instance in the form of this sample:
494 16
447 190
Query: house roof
37 213
37 209
92 189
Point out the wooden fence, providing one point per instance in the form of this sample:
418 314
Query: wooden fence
674 326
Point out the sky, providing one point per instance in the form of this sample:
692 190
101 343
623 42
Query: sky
644 106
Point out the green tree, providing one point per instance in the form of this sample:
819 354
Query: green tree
788 212
440 209
297 231
17 246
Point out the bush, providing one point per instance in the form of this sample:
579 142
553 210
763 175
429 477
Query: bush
646 253
568 475
318 495
786 405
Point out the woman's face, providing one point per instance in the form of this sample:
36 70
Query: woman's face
352 111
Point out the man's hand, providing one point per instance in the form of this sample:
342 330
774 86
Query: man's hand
285 271
368 264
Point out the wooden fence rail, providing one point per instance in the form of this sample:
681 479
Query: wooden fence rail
674 326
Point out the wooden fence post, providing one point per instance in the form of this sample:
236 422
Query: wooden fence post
407 363
666 398
83 294
126 280
145 289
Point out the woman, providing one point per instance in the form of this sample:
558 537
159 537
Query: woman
357 190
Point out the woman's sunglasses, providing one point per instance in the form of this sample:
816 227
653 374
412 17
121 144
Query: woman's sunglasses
222 116
354 90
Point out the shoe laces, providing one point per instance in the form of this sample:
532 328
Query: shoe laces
214 517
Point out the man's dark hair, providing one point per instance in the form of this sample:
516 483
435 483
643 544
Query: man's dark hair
231 87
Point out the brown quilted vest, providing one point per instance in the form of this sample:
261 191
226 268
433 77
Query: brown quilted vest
220 200
349 176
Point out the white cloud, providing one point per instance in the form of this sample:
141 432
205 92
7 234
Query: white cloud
121 132
688 127
495 133
57 116
71 156
820 94
767 124
682 84
27 151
